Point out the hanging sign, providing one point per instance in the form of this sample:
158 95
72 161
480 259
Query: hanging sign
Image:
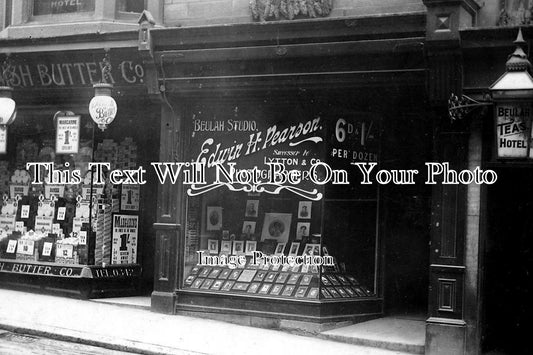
67 134
513 126
125 234
3 139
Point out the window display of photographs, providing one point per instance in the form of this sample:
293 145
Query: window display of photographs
212 246
238 247
214 218
306 280
240 286
288 290
293 279
214 274
235 274
248 228
252 208
247 275
205 271
301 292
271 276
251 246
343 280
282 277
333 280
217 285
325 293
228 285
312 249
304 209
293 251
276 226
189 280
207 284
264 289
198 282
276 289
359 291
225 246
254 287
352 280
280 248
342 292
224 274
225 234
313 292
194 270
325 281
260 276
302 230
334 292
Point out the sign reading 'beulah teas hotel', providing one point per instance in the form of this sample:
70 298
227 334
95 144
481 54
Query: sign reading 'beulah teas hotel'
513 130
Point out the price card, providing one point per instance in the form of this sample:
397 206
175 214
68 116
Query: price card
61 212
67 134
83 237
26 247
64 250
55 228
47 248
11 246
19 226
25 211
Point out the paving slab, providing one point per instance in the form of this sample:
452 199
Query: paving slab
142 331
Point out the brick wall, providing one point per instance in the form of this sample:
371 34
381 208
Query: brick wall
204 12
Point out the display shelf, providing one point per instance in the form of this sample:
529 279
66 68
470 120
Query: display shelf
275 281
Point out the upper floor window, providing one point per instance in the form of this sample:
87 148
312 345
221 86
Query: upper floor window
131 5
49 7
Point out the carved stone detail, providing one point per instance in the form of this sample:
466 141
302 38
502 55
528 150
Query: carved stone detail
264 10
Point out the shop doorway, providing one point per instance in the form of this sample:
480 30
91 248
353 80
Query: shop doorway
406 218
507 261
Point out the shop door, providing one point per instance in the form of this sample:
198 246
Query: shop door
508 259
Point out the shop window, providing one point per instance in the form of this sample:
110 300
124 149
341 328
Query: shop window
136 6
65 218
8 8
51 7
231 220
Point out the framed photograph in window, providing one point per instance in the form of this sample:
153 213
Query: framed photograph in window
276 227
214 218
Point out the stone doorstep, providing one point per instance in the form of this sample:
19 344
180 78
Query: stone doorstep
386 333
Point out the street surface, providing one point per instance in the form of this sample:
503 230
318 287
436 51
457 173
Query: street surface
20 344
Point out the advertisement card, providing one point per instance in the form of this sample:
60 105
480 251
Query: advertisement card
125 234
67 135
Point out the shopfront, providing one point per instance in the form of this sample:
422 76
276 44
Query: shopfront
62 230
280 137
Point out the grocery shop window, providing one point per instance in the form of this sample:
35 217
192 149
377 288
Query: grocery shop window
135 6
52 7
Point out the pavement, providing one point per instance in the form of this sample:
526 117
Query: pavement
137 329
